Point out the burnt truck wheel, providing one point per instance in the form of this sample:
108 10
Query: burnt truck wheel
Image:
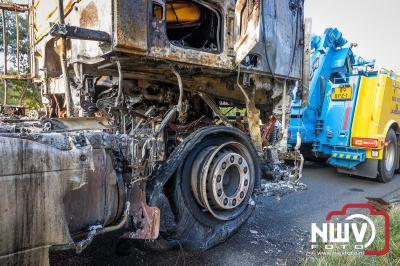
212 195
388 164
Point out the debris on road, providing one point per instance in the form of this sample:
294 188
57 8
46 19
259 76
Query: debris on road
253 232
281 188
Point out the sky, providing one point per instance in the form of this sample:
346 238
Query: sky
373 24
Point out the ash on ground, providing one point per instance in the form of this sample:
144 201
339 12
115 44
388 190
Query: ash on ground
280 188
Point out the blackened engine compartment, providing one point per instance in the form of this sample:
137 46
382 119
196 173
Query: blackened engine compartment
194 25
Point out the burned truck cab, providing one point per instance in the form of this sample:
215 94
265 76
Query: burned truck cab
141 40
264 37
164 108
212 33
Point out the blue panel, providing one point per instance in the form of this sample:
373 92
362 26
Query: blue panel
344 157
337 117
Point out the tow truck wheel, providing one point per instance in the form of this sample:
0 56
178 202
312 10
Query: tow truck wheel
212 194
388 164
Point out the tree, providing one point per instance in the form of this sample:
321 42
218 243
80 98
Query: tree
19 91
12 39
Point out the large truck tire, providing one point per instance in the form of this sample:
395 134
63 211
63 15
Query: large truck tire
197 214
388 164
212 194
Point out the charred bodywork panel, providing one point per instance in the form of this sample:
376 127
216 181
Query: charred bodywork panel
144 101
41 174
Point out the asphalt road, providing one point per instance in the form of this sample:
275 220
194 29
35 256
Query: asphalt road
277 233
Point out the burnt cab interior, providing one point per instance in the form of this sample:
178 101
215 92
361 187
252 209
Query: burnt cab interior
191 24
263 36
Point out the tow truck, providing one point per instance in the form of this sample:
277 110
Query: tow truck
350 117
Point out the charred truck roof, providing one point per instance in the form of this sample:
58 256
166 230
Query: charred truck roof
151 108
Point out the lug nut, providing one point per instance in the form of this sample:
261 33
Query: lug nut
225 202
219 178
246 182
240 161
245 170
232 159
223 165
219 193
234 202
241 195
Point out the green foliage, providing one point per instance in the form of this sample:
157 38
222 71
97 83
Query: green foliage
10 19
232 111
16 89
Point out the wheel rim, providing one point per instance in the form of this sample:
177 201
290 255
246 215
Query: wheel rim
229 180
223 179
390 154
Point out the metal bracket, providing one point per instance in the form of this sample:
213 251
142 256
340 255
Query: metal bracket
62 30
144 221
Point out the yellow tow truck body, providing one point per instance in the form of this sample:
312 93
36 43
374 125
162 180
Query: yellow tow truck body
377 110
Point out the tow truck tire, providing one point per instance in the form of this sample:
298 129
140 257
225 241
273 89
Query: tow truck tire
387 166
210 205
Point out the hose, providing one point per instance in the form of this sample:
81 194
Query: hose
96 230
246 96
120 80
180 101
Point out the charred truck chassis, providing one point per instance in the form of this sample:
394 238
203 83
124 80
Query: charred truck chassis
136 128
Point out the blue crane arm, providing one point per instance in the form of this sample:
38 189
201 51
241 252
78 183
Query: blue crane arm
328 56
332 62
